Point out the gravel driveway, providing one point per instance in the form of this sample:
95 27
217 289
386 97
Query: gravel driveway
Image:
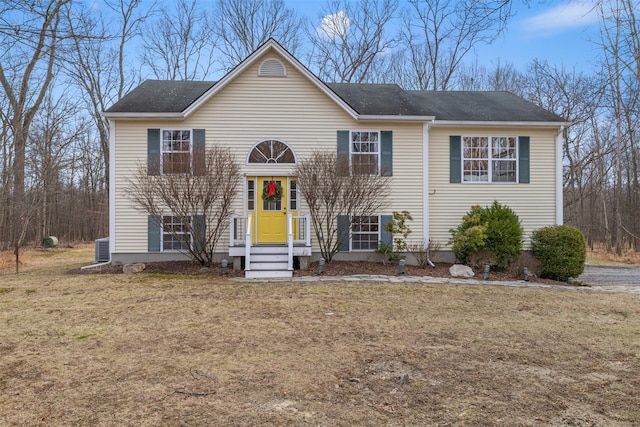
600 275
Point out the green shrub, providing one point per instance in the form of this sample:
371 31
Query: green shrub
400 230
488 235
562 250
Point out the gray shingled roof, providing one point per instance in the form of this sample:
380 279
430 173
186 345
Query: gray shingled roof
168 96
375 99
161 96
481 106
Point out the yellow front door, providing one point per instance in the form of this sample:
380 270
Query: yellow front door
272 215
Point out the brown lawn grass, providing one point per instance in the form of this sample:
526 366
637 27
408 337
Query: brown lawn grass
183 350
598 255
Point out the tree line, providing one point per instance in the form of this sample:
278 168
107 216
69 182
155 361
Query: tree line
63 62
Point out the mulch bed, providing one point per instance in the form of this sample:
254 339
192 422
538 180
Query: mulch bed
334 268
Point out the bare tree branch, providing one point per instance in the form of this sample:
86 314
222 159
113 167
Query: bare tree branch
330 191
244 25
351 39
208 193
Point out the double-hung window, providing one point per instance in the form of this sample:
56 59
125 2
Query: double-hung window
176 233
365 152
176 151
365 233
489 158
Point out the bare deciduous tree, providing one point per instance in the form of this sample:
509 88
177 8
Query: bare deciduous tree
201 200
331 191
621 67
351 39
97 61
179 45
30 37
439 34
243 25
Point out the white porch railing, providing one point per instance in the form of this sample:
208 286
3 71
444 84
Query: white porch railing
240 226
289 241
247 245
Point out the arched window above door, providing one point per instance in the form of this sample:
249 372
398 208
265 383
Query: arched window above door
271 151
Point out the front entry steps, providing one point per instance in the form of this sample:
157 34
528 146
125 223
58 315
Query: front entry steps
268 261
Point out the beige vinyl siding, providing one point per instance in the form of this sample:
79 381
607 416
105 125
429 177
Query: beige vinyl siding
251 109
534 203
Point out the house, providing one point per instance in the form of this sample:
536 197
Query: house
446 151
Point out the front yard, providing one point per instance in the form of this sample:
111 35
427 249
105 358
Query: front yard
161 349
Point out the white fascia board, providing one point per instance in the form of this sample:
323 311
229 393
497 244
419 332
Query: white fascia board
138 116
463 123
240 68
394 118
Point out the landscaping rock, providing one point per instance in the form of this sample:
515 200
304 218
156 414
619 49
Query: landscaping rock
459 270
133 268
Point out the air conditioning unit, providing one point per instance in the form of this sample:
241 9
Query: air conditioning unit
102 249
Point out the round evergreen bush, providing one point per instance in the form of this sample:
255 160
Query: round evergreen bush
488 235
562 250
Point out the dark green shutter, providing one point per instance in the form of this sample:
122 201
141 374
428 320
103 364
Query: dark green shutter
343 152
343 235
153 151
343 142
455 159
524 168
385 236
199 163
199 232
154 231
386 153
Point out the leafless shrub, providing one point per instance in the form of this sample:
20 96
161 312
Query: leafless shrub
423 252
533 265
331 191
206 194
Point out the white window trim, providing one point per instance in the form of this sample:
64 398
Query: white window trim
295 157
379 152
351 233
297 194
490 160
162 233
254 180
162 151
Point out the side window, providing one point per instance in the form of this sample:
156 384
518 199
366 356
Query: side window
293 195
176 151
251 195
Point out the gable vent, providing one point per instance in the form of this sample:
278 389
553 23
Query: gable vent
272 68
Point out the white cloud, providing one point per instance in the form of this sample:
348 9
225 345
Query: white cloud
562 17
335 25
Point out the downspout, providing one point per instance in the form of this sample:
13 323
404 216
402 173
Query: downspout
559 187
426 126
86 267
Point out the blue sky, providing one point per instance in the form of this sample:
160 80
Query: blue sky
562 32
559 31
